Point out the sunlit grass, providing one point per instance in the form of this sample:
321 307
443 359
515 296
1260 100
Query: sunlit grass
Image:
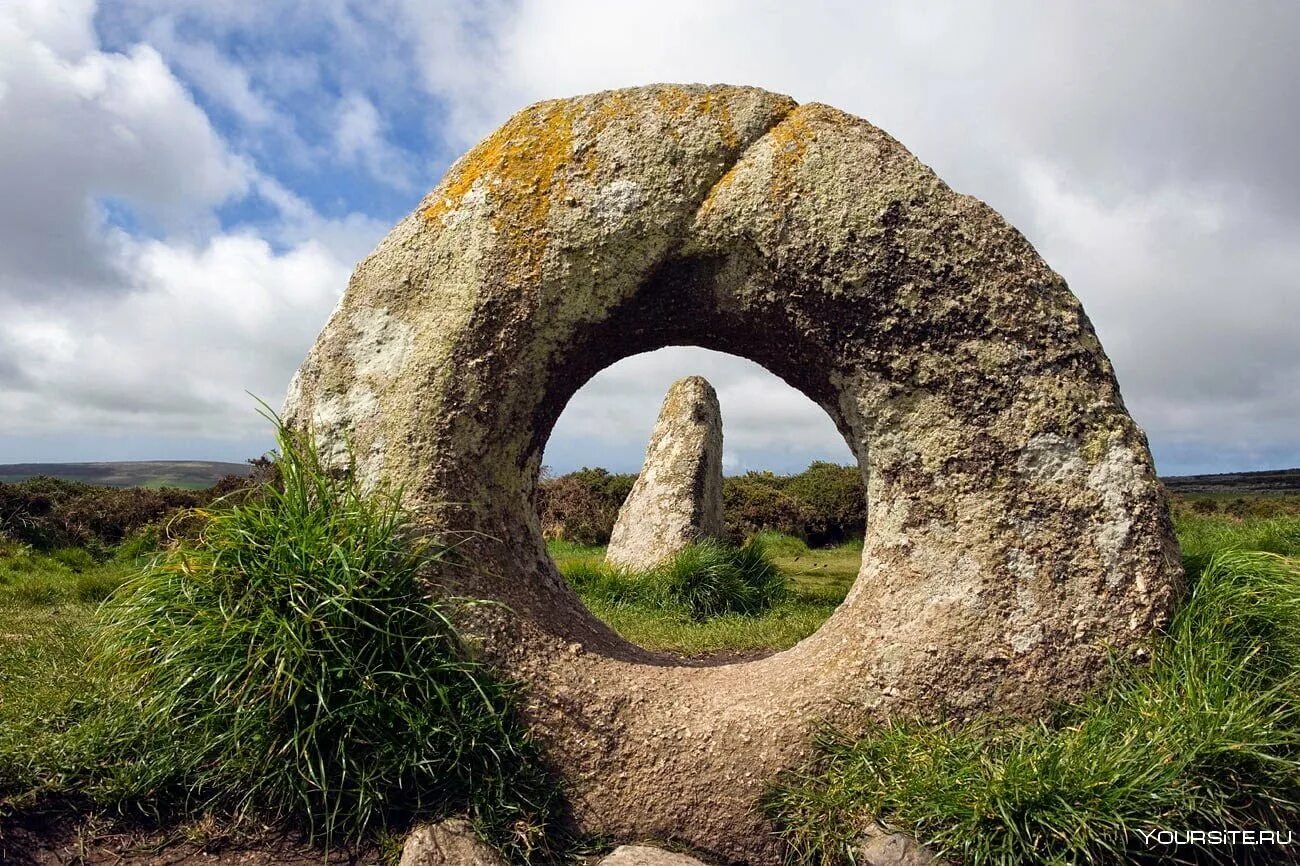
1207 736
814 583
285 663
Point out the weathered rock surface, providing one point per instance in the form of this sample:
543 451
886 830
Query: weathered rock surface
879 847
644 855
1016 532
677 498
452 842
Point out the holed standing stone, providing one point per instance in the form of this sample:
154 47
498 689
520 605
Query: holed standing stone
1017 538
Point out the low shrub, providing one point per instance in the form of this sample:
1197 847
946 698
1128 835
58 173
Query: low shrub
754 503
823 505
49 513
571 509
612 487
144 543
1238 507
835 497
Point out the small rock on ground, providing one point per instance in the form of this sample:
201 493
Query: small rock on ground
644 855
878 847
448 843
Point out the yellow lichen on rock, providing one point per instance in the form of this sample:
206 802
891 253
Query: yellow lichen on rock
679 102
522 166
787 144
790 140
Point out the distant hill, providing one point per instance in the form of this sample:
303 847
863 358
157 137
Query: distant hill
1270 481
191 474
195 474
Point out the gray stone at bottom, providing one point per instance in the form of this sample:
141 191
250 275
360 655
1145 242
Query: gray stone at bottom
644 855
878 847
448 843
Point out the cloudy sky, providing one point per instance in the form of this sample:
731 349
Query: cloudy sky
185 186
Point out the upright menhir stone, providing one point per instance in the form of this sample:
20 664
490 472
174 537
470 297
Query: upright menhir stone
677 498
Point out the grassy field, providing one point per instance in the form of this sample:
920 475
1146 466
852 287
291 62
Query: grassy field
1206 737
817 581
280 666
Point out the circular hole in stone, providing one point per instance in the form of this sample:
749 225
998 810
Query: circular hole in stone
787 477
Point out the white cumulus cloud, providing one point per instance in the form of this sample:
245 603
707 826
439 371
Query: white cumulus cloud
128 309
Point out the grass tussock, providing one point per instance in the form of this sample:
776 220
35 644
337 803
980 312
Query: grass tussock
710 596
286 663
1207 736
777 544
712 579
706 579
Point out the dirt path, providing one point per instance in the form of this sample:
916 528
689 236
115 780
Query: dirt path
40 840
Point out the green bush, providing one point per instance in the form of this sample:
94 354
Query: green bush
143 543
287 662
823 505
836 499
1238 507
49 513
712 579
706 579
613 487
581 507
1207 736
754 503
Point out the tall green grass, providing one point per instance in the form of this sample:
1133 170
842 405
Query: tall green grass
708 598
1202 536
286 663
1207 736
706 579
714 598
713 579
781 545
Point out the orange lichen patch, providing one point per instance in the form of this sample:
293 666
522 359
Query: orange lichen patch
723 182
521 165
611 109
790 139
679 102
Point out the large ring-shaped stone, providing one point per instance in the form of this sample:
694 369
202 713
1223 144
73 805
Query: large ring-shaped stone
1016 530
